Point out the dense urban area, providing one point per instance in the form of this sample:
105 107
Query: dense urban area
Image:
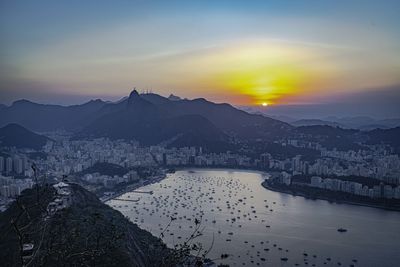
109 167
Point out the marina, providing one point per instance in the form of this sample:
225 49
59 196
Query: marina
253 226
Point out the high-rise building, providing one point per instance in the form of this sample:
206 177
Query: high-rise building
265 160
9 165
2 167
5 191
296 163
18 165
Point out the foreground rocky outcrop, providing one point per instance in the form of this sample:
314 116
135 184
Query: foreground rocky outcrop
69 226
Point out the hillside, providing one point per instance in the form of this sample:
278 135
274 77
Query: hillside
138 119
346 139
105 168
386 136
14 135
41 117
150 119
84 233
312 122
230 120
330 137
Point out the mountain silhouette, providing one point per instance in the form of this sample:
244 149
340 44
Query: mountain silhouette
148 118
41 117
14 135
230 120
153 119
139 119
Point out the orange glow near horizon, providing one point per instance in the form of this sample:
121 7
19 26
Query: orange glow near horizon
257 74
241 53
251 72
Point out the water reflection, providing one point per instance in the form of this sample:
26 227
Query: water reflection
258 227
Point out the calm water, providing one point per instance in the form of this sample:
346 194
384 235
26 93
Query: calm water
258 227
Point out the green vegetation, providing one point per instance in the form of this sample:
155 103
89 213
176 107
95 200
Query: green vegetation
370 182
105 168
333 196
88 233
85 232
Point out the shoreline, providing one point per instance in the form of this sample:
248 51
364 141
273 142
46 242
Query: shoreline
175 169
304 195
268 173
130 188
263 184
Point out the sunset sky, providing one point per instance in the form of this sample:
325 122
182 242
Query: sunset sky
244 53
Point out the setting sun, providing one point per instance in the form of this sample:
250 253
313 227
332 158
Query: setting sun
264 104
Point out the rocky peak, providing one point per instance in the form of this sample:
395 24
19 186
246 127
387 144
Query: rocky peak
134 97
174 97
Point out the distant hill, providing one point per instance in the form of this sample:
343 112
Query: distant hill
330 137
325 130
364 123
105 168
311 122
369 127
230 120
87 233
139 119
386 136
150 119
14 135
361 123
174 97
40 117
153 119
346 139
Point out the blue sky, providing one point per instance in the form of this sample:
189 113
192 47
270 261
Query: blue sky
242 52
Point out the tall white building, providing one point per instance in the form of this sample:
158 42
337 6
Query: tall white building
2 167
9 165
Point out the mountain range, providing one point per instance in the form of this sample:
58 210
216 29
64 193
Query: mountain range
364 123
148 118
360 122
153 119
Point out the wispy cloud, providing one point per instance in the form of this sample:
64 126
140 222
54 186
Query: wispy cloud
279 53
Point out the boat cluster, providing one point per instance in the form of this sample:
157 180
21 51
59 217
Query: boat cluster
229 211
